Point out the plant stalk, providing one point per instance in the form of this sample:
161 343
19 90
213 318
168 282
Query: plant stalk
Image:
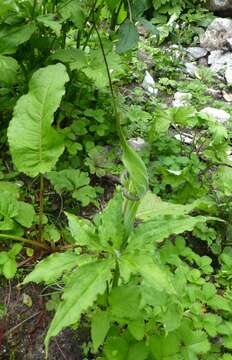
26 241
41 207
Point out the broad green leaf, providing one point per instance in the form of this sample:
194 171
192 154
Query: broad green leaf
68 179
10 187
52 267
76 58
80 292
128 37
151 206
8 69
50 22
4 257
138 351
110 222
125 302
72 9
35 146
137 328
153 274
161 228
26 214
83 231
13 36
9 269
100 325
164 347
15 250
116 348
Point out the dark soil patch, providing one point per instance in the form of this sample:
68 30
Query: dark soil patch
23 329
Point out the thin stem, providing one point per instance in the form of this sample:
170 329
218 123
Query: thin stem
26 241
130 11
34 8
41 207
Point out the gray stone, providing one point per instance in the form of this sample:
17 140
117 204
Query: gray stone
227 96
197 52
191 68
215 93
218 114
228 74
181 99
229 42
220 5
217 33
137 143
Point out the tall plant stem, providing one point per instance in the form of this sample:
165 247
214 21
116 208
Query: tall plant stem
25 241
41 207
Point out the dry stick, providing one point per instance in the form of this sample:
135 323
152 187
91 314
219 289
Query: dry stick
21 323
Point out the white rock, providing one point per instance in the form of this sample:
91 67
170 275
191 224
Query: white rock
218 114
218 60
197 52
228 74
149 84
217 34
137 143
185 138
181 99
227 96
190 69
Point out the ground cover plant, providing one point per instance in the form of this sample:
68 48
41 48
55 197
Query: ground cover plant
125 251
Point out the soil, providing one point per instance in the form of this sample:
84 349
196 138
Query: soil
23 329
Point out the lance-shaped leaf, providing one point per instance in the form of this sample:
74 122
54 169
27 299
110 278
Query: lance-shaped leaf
80 292
35 146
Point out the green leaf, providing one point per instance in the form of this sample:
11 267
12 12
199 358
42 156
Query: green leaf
138 351
15 250
137 329
128 37
13 36
9 269
4 257
153 274
116 348
68 179
52 267
161 228
35 146
71 9
80 292
83 231
152 206
26 214
8 69
50 22
164 347
125 302
99 328
110 222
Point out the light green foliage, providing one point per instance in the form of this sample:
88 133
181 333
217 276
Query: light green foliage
80 292
75 182
51 268
8 265
128 37
13 36
8 69
35 146
13 212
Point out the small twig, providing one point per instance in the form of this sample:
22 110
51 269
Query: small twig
61 351
20 324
